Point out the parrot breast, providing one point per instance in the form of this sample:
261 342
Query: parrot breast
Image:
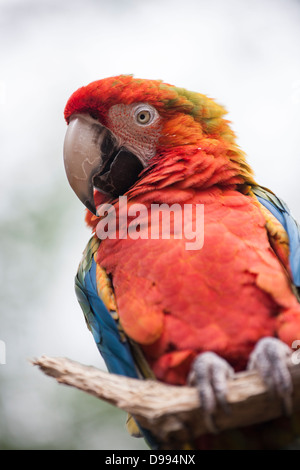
224 297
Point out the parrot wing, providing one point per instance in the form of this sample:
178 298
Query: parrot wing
282 213
121 355
96 298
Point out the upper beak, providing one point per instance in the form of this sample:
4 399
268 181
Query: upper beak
93 157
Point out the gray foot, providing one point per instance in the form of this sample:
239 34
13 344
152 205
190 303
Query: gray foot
209 374
270 358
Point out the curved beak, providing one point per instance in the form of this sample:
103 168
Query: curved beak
93 157
83 159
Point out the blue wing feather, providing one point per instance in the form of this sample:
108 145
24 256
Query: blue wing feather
115 351
283 214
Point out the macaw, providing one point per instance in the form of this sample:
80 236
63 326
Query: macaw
155 308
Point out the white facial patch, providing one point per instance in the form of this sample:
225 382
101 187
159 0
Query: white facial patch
137 126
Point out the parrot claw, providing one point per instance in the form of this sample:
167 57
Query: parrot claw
270 358
209 375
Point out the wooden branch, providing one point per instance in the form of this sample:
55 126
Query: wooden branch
173 413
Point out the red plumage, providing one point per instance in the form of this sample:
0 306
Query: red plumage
223 298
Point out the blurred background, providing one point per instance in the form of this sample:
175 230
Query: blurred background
243 53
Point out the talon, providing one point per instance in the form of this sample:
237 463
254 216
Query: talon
270 357
209 374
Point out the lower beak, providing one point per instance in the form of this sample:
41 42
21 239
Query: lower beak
93 157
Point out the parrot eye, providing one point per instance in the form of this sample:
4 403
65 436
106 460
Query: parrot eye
145 114
143 117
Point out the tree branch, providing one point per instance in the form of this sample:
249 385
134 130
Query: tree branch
173 414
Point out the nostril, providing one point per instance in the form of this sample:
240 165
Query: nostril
93 115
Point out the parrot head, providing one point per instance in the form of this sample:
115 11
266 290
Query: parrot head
118 126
